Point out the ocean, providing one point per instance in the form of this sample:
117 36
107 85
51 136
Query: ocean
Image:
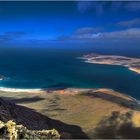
46 67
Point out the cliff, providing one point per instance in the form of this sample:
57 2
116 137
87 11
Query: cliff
21 122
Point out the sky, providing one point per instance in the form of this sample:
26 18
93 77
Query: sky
70 22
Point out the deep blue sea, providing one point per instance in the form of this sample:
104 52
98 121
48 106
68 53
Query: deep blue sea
34 67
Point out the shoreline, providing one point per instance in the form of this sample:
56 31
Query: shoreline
134 70
69 91
105 63
20 90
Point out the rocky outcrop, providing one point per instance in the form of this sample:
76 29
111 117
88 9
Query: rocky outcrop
12 131
34 124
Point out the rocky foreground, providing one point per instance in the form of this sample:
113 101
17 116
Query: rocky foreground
84 113
18 122
12 131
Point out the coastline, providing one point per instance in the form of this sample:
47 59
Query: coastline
107 63
20 90
134 70
70 91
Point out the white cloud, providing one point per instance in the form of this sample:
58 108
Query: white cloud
132 33
129 23
87 30
123 34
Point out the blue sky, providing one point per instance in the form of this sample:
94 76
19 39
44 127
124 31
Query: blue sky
73 21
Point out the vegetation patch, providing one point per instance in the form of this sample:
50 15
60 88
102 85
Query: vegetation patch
12 131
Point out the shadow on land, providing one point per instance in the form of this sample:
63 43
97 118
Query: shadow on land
115 99
23 100
117 126
36 121
57 86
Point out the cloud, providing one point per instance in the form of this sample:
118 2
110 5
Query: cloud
126 5
132 33
82 33
129 23
8 36
84 6
132 6
100 7
87 30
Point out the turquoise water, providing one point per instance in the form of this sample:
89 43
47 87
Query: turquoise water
59 68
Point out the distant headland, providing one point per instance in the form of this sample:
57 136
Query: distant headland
132 64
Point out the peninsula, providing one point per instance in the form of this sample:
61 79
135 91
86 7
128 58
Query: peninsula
132 64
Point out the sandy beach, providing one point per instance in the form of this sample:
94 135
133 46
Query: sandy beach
21 90
135 70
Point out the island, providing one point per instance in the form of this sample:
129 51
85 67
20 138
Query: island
132 64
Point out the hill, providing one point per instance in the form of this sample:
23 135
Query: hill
32 120
83 112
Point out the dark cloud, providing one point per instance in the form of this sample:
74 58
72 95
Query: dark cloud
100 6
132 6
129 23
8 36
84 6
